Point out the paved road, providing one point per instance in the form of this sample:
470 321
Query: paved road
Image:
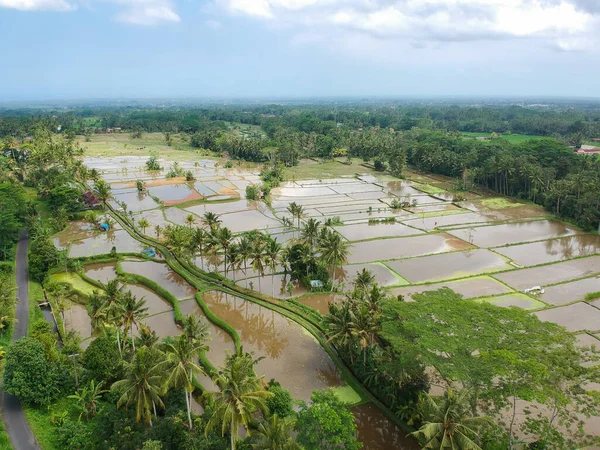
17 427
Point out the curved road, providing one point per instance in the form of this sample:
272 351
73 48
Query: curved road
17 427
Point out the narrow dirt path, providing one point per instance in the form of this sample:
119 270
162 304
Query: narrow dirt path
17 427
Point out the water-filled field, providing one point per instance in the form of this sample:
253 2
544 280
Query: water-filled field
408 233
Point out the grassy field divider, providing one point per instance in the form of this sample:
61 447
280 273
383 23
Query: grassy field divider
91 281
154 286
192 274
217 321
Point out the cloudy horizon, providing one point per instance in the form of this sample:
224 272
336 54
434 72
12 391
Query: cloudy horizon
298 48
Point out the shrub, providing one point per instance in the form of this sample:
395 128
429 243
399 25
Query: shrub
281 402
380 166
102 361
28 374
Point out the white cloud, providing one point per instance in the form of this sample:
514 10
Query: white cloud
556 21
38 5
138 12
148 15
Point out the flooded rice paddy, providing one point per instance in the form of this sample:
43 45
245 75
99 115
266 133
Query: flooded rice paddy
510 233
293 356
448 265
163 275
433 241
552 250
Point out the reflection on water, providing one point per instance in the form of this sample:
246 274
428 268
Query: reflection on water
376 432
293 357
553 250
103 272
161 274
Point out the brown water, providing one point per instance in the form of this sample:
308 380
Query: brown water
161 274
103 272
575 317
154 302
553 250
397 248
102 244
376 432
510 233
274 286
320 302
469 288
448 265
76 318
75 231
293 357
221 344
570 292
163 323
551 274
369 231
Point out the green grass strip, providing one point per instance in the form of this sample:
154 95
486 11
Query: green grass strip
217 321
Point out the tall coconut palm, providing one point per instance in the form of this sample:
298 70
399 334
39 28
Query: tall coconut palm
240 395
274 433
157 230
448 423
334 251
142 385
257 258
222 239
234 258
182 367
310 232
210 220
132 311
200 239
245 249
271 255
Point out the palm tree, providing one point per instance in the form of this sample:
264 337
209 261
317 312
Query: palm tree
132 311
338 323
245 249
190 220
142 385
257 258
240 394
234 258
196 329
448 423
272 253
181 356
222 239
157 230
334 250
296 211
275 434
87 398
363 280
200 239
310 232
143 224
102 190
210 220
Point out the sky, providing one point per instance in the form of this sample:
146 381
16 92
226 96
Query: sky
77 49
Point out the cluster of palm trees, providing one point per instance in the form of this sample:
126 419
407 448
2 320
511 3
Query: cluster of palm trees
352 324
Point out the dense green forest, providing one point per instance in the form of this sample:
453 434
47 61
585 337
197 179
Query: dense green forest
547 172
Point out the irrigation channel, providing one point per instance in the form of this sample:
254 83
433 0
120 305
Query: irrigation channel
293 340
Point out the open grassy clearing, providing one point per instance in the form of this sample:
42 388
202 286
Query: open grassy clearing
512 138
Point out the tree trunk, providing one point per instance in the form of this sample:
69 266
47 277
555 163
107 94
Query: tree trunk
512 422
187 404
132 339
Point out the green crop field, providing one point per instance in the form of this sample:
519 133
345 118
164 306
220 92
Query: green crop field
512 138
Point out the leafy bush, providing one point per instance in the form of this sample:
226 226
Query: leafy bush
380 165
281 403
28 374
102 361
153 164
42 256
